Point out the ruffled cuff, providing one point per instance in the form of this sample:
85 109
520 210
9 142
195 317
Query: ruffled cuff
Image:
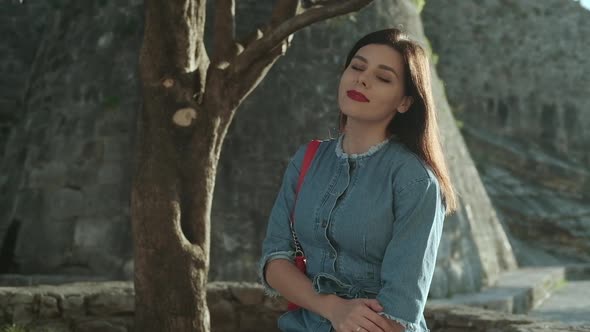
407 325
288 255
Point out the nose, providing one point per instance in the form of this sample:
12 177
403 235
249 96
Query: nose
361 79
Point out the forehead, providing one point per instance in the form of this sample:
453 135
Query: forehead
377 54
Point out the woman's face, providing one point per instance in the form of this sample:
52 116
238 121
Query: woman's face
372 86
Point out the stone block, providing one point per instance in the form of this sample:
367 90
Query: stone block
48 306
223 316
106 200
22 297
111 302
72 305
81 175
48 326
39 252
28 205
253 320
116 150
99 325
253 295
112 173
96 232
64 203
52 174
128 269
275 303
22 313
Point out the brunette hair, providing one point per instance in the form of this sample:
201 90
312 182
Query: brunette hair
417 127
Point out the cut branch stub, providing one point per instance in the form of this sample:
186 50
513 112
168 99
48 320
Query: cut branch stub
168 82
184 117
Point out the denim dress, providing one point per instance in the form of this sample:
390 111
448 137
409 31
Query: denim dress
369 224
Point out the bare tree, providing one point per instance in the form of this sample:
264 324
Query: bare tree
189 100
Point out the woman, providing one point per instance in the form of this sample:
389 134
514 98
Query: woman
369 215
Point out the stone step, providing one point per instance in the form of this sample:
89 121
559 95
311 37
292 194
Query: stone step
569 304
516 291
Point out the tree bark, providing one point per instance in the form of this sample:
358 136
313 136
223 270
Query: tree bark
188 103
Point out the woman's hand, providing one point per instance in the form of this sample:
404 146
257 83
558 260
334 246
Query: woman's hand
359 315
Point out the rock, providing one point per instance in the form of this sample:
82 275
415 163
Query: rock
247 295
99 326
128 270
525 127
73 305
110 302
48 307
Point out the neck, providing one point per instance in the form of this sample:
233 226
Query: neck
359 138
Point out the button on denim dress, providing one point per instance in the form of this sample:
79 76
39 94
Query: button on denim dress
369 224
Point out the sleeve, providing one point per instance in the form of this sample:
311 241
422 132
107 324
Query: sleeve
410 257
278 242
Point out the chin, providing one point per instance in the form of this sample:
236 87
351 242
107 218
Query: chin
351 110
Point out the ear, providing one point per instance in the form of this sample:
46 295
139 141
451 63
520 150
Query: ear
404 106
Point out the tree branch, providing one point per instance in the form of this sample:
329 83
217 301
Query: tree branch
288 23
283 10
313 3
250 79
223 43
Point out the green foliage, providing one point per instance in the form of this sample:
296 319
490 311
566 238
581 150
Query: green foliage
18 328
434 58
561 283
420 4
111 102
13 328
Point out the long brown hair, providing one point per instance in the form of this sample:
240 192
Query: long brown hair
417 128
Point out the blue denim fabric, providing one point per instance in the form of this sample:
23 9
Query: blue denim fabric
369 224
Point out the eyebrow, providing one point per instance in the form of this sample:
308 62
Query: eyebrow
380 66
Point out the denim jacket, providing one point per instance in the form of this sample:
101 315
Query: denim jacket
369 224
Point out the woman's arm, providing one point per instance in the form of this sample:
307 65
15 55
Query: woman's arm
410 257
345 315
296 287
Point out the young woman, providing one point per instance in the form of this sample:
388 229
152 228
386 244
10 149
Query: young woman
369 215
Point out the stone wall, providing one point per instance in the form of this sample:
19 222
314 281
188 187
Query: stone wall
66 171
234 307
18 54
517 75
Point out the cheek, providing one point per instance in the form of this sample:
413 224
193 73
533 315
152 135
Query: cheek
390 96
342 85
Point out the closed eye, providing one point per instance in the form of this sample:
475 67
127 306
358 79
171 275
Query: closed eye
380 78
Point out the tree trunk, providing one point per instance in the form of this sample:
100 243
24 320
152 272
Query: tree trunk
188 104
175 171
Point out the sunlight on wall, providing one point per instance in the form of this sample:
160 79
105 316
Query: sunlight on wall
585 4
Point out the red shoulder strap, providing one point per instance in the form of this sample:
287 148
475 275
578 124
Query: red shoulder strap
312 147
310 151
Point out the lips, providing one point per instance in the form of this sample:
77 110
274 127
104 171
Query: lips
355 95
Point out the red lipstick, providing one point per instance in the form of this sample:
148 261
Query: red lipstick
355 95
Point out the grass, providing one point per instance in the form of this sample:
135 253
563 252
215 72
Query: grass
18 328
13 328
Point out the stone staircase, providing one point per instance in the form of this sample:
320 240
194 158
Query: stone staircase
526 290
